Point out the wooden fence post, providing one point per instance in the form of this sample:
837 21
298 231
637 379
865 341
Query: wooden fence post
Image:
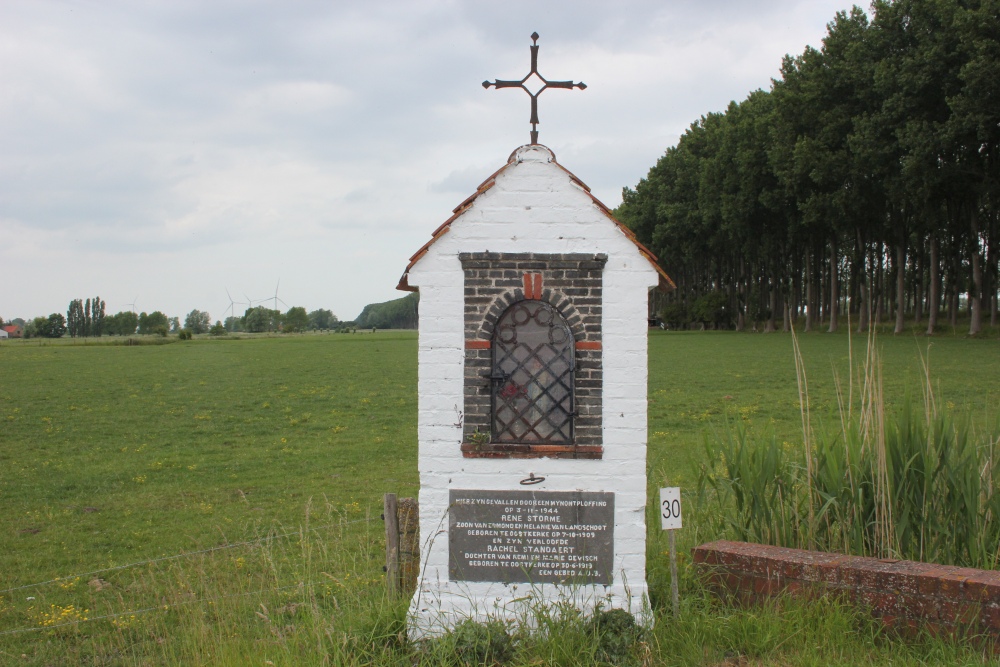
409 545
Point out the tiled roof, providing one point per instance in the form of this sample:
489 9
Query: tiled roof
666 284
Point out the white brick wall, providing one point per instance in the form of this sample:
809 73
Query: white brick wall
534 207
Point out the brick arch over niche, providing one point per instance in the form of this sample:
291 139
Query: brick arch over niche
562 304
572 284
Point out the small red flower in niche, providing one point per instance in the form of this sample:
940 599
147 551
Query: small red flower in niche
510 390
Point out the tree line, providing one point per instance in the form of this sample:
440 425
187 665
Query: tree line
866 181
259 319
87 318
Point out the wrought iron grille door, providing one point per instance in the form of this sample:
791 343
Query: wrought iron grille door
532 376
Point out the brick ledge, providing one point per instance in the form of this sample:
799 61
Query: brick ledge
906 596
522 451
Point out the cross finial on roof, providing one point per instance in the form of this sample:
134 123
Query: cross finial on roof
534 95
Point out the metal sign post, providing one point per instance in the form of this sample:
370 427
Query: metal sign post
670 518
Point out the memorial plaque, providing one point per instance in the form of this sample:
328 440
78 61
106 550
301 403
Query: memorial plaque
558 537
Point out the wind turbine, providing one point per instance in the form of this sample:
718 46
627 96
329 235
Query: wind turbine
276 299
232 304
250 302
133 303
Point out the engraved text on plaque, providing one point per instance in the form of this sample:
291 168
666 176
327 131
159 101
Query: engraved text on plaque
562 537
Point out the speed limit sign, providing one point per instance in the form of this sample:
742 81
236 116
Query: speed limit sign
670 508
670 516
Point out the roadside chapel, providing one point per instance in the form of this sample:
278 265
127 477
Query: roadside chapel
532 401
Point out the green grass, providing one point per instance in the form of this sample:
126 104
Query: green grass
111 455
123 453
701 382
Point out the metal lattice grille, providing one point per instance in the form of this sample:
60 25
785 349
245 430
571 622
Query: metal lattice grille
532 378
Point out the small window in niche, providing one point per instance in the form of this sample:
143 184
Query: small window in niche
532 396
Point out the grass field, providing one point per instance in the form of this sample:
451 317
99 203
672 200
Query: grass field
701 381
114 455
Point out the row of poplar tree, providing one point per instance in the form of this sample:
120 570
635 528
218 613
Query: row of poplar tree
85 318
866 179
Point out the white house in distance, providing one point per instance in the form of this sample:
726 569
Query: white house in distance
532 401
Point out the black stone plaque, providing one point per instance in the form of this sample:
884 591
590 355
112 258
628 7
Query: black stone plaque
559 537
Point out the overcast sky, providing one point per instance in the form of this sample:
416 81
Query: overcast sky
163 152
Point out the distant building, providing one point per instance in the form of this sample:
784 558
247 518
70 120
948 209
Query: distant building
3 334
12 331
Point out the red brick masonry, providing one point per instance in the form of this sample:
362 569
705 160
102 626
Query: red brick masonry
904 594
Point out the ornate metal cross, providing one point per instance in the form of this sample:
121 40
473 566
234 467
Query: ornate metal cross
534 96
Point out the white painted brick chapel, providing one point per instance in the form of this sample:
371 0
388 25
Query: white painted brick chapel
532 401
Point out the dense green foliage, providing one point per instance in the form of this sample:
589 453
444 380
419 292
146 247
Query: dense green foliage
53 326
396 314
260 318
154 322
867 178
85 318
197 321
476 644
322 320
234 324
123 323
295 320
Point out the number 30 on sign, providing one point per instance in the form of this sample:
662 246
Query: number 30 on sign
670 508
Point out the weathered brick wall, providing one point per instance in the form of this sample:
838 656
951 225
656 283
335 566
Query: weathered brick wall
904 595
572 284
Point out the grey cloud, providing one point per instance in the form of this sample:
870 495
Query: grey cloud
462 181
192 131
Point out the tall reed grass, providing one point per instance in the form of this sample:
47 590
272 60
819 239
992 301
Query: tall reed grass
914 482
